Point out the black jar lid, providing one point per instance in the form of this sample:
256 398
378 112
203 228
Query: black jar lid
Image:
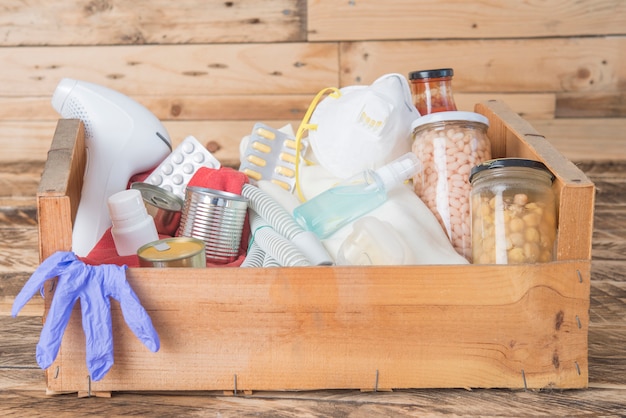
509 162
441 72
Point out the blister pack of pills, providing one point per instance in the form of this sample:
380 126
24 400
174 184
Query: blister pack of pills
270 154
176 170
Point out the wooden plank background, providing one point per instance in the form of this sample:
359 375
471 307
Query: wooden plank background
212 68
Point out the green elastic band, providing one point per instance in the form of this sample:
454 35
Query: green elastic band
254 235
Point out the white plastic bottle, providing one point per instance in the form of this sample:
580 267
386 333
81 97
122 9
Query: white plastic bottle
132 226
354 197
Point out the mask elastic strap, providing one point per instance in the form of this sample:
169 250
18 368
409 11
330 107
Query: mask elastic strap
305 125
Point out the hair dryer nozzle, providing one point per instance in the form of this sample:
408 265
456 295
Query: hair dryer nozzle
63 90
122 138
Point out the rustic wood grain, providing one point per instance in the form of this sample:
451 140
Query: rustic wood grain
336 299
500 403
410 19
571 137
586 139
576 64
23 387
20 213
173 70
19 338
593 105
607 298
33 144
487 66
205 106
30 380
230 74
16 252
607 360
88 22
18 183
10 285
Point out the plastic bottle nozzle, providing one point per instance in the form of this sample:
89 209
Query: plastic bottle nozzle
399 170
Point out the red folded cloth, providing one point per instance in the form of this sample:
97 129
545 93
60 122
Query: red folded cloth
225 179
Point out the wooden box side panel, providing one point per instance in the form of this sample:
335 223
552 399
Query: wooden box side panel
512 136
368 328
58 194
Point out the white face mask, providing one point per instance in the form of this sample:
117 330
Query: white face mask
365 127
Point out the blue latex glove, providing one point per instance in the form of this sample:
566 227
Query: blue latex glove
93 285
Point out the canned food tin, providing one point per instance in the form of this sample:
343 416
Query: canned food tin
216 217
165 207
513 212
173 252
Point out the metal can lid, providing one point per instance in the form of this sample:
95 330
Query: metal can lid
449 116
438 73
158 196
509 162
170 249
219 195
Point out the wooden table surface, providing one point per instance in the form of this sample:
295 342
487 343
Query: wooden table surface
22 386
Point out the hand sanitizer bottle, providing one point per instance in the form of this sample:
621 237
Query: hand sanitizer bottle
354 197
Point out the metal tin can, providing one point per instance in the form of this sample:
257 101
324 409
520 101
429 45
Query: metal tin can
513 212
165 207
173 252
216 217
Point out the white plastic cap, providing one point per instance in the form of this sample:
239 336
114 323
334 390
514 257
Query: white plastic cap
399 170
126 205
62 91
449 116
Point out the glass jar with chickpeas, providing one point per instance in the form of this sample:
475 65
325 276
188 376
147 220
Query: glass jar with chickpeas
513 208
448 145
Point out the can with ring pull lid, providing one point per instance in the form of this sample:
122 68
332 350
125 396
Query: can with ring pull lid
173 252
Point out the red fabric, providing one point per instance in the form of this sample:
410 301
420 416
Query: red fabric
225 179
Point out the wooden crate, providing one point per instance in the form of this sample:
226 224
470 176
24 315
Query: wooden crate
372 328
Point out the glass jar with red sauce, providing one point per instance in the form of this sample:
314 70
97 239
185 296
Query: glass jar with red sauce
432 90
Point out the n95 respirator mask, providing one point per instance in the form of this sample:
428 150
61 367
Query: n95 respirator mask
363 127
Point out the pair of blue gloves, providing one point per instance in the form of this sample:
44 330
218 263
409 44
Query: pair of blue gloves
93 285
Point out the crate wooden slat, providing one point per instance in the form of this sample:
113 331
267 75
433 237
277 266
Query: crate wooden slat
313 328
352 327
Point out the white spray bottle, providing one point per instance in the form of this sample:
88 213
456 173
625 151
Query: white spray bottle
122 139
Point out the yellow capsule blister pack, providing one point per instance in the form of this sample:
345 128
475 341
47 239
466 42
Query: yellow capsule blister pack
270 155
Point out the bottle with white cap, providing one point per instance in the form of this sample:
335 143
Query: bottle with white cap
354 197
132 226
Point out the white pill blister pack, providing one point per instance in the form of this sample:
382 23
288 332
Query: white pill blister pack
270 154
178 168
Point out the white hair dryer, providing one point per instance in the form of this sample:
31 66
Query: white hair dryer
122 139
